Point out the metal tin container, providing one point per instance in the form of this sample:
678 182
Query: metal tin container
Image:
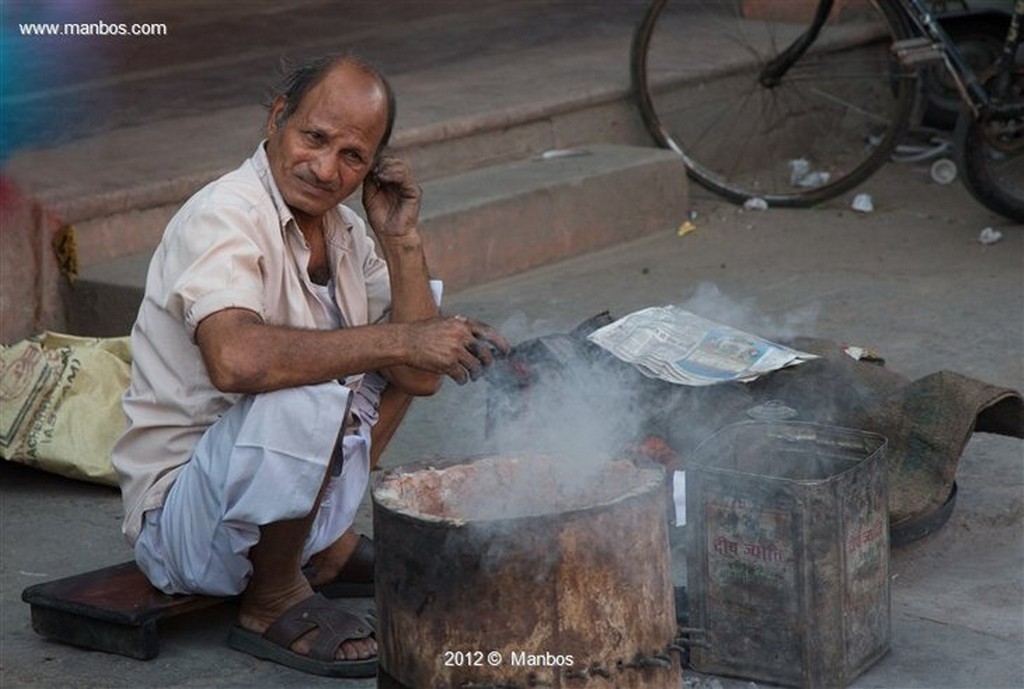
788 568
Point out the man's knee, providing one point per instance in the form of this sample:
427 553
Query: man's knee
303 421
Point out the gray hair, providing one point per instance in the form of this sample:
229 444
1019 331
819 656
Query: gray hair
299 80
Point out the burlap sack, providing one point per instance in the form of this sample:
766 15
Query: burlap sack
60 403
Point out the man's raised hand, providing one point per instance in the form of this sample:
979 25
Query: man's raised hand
391 198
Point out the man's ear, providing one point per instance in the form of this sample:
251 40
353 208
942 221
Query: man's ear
274 117
381 151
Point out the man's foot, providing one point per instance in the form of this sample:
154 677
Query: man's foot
345 569
315 635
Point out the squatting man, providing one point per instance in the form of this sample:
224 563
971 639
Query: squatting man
275 353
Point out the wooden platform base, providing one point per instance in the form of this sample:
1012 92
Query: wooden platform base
114 609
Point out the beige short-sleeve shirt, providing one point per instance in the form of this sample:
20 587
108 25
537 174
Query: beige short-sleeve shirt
235 243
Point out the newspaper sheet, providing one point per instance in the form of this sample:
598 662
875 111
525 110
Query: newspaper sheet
678 346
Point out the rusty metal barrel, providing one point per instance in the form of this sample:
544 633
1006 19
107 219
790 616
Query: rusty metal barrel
523 571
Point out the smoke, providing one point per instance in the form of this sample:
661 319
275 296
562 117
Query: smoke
559 411
745 314
563 397
826 392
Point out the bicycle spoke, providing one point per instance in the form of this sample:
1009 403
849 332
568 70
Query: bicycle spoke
847 105
738 136
771 143
716 123
737 160
823 133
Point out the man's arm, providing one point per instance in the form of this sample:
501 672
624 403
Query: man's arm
391 199
243 354
411 301
413 351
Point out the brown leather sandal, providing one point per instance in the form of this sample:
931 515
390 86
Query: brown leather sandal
355 580
337 622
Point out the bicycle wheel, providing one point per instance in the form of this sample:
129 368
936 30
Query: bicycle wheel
827 125
990 154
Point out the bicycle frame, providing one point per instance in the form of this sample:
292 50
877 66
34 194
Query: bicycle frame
773 72
928 42
975 94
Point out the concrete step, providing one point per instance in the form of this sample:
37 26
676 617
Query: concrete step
478 225
459 117
479 84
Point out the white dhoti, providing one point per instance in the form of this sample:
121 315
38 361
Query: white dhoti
264 461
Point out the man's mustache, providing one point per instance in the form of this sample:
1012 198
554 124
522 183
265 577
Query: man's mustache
314 181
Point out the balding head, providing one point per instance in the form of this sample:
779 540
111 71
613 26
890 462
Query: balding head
300 80
324 133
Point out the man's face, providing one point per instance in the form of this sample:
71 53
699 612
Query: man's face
321 154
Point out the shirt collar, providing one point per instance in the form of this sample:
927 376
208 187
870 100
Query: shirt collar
262 165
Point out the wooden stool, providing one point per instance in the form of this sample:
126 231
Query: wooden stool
114 609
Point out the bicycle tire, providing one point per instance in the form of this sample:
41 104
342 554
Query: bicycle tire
842 107
990 155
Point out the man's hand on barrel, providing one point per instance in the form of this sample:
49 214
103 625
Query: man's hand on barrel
459 347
